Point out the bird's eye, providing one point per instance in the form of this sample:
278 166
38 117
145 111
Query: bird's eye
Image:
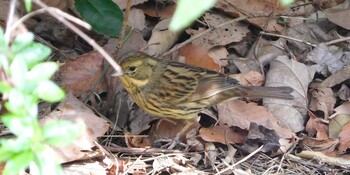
132 68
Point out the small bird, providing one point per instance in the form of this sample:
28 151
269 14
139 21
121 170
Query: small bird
179 91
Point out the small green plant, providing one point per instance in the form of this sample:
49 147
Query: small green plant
24 81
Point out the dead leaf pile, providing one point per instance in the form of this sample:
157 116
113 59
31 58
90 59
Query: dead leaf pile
299 46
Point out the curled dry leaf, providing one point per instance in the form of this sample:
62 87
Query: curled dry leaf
74 110
316 126
162 38
336 78
230 33
344 92
82 74
242 114
285 72
322 99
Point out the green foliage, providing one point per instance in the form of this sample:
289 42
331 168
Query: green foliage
26 82
187 11
103 15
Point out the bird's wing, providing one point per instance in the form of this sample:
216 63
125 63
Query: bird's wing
211 84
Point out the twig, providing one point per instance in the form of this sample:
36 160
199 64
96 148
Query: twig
10 20
55 13
337 41
203 33
242 160
288 38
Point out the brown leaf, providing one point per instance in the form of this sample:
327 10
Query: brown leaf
74 110
197 56
222 134
242 114
256 8
222 36
162 13
161 39
137 19
82 74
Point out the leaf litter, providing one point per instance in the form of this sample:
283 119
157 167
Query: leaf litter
311 56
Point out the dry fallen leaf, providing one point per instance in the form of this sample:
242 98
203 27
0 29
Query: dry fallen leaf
82 74
285 72
339 17
74 110
162 39
251 78
242 114
197 56
137 19
222 134
322 99
344 139
161 12
230 33
325 145
316 127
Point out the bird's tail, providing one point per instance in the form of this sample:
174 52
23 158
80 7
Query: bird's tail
283 92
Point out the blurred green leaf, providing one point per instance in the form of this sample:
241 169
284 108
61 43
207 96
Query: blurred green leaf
15 103
46 164
42 71
4 87
18 162
4 62
60 133
104 15
19 125
21 41
187 11
33 54
18 70
2 39
28 4
49 91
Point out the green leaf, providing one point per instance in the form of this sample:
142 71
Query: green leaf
14 145
46 164
33 54
16 101
4 87
60 133
22 126
4 62
42 71
21 41
188 11
18 162
18 70
28 4
103 15
49 91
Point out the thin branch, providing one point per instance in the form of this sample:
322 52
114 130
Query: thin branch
288 38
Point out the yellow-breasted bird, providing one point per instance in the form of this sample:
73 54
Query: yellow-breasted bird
179 91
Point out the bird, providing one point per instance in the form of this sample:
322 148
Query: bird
175 90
